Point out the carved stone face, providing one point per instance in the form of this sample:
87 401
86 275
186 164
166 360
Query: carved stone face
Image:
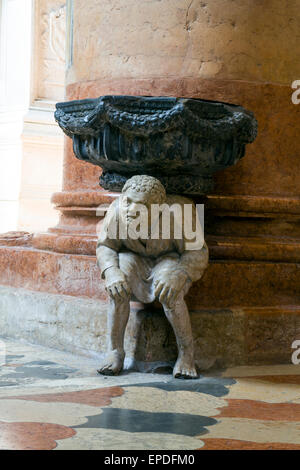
133 203
133 200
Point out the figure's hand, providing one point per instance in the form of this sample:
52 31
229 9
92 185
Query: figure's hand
116 284
167 286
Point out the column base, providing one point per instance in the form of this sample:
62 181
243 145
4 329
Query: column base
222 337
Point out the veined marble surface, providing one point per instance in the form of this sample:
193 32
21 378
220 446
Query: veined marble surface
55 400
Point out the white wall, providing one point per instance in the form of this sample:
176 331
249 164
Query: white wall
32 71
15 58
43 141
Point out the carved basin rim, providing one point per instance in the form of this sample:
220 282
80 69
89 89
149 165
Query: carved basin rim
145 115
181 141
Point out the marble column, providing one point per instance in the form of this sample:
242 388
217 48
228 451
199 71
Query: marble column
219 50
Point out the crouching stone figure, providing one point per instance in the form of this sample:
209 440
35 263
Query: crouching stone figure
144 254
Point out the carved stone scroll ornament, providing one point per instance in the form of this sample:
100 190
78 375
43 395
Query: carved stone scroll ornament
57 32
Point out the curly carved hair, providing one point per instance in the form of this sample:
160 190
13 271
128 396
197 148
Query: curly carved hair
146 184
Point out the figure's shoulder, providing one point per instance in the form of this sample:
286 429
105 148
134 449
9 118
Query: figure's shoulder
112 211
114 206
115 203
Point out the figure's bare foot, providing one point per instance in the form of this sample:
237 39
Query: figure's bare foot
112 364
185 367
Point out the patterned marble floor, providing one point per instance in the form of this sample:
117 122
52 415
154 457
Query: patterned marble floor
55 400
